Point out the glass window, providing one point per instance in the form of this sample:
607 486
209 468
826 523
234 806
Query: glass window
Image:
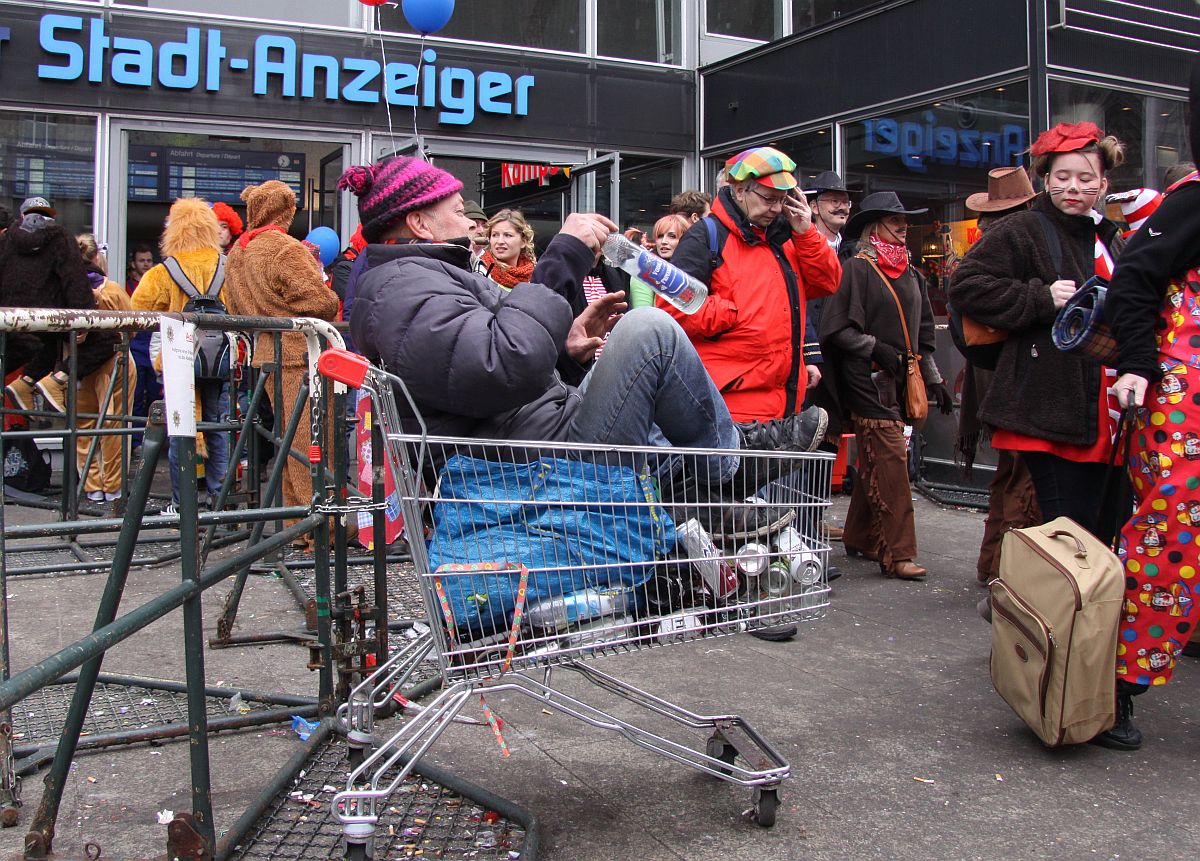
333 13
647 186
640 30
933 157
553 24
1153 129
812 152
807 14
745 19
51 156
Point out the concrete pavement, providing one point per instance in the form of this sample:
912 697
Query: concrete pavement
899 746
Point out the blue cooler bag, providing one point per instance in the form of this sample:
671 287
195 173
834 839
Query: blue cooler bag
572 523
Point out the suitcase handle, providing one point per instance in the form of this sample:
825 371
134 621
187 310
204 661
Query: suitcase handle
1080 549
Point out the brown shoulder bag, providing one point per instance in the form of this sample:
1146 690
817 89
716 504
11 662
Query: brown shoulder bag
916 401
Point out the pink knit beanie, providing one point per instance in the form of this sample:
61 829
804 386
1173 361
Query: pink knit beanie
390 189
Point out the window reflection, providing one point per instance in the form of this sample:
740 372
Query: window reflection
551 24
51 156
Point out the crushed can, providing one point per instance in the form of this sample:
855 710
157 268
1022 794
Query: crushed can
718 575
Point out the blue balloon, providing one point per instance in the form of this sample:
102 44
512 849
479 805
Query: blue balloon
327 243
428 16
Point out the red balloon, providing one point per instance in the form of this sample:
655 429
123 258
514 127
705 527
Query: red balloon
372 2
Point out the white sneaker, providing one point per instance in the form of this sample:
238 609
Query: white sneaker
111 497
96 495
170 510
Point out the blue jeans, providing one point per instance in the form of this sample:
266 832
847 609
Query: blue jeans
650 388
214 407
147 390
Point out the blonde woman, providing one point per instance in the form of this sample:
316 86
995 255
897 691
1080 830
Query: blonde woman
509 258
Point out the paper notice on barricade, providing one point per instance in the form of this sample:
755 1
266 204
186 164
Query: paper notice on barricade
179 375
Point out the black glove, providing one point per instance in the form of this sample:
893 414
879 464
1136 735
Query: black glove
939 393
888 358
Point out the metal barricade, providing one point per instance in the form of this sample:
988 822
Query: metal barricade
537 557
195 830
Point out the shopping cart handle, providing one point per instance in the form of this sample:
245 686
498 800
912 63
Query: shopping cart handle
343 366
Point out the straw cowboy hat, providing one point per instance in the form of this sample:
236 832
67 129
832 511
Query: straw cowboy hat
1008 187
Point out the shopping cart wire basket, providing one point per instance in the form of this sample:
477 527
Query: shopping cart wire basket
544 556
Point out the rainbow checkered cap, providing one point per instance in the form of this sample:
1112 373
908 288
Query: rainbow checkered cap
764 164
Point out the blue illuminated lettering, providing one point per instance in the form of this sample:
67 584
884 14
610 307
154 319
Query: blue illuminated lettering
51 44
309 64
285 66
456 93
460 107
368 71
918 143
189 52
399 77
133 62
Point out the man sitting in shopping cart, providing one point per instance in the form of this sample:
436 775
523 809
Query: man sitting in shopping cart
481 363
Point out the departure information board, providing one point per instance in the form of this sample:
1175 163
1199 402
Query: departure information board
160 174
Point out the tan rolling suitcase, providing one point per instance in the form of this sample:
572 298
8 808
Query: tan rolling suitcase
1055 610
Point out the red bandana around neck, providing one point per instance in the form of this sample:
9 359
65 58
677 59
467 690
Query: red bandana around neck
893 259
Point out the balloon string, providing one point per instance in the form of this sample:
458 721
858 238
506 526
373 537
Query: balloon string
417 134
383 54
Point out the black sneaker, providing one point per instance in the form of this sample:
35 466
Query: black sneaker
741 521
801 432
1123 735
777 633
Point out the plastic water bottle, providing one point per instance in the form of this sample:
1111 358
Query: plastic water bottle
559 612
673 284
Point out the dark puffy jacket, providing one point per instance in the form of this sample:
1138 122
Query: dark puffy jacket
477 362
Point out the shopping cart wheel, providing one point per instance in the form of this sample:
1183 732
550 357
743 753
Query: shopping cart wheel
766 802
718 749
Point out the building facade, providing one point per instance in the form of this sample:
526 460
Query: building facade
113 109
923 97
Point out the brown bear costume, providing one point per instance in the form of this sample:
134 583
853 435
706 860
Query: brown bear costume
271 274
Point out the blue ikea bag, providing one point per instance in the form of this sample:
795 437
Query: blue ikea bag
573 523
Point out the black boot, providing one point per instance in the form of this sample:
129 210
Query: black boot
1123 735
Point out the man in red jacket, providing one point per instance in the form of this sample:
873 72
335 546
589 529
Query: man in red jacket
769 259
762 258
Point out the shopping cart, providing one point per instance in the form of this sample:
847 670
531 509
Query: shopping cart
542 557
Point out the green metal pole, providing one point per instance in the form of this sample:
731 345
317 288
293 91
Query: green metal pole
193 644
10 787
41 830
234 598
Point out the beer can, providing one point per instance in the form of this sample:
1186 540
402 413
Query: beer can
752 559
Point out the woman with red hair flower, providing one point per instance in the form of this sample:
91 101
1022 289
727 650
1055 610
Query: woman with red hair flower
1055 408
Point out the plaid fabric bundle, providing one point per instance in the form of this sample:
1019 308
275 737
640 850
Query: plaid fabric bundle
1081 328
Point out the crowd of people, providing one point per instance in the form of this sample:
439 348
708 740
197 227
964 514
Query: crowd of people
816 324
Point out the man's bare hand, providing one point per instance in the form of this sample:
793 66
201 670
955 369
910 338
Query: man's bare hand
589 328
814 375
589 228
797 211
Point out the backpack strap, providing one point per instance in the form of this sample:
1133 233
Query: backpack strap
181 280
218 279
1053 243
712 228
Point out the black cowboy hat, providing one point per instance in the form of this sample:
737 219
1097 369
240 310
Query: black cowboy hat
874 207
826 180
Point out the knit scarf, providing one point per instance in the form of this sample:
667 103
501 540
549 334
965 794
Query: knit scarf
893 259
507 276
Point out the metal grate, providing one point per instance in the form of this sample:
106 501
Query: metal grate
423 819
404 588
38 719
964 497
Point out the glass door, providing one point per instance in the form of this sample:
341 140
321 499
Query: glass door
596 186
